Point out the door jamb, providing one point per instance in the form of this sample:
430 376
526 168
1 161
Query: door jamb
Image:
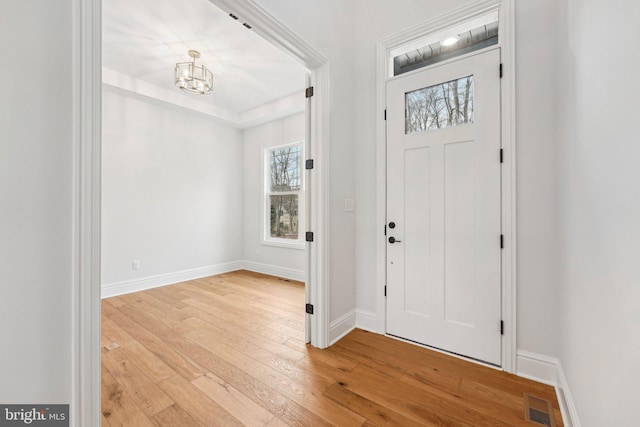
508 174
86 136
269 28
87 116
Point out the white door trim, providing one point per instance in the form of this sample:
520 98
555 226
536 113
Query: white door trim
87 100
508 117
87 118
273 31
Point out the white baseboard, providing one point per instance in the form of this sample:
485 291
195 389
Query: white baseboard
128 286
366 320
567 407
273 270
548 370
537 367
342 326
135 285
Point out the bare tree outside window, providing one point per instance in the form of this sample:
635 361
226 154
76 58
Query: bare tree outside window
284 191
439 106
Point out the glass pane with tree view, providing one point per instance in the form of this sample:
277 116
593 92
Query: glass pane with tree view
284 216
285 169
286 184
439 106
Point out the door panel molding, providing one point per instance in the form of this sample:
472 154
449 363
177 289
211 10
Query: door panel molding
444 280
508 174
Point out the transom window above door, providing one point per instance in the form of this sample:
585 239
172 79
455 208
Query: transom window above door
475 34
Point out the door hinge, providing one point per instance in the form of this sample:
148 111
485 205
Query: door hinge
502 241
385 114
385 291
502 327
309 92
308 308
309 236
500 70
308 164
501 155
385 229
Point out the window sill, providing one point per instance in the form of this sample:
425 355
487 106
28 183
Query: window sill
284 244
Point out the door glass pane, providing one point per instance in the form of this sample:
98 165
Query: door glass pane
285 169
439 106
284 216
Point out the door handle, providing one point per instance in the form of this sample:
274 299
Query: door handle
393 240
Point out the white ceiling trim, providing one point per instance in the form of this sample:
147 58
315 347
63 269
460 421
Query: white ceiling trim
270 29
176 97
283 107
124 84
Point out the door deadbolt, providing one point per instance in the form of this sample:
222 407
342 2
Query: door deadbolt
392 224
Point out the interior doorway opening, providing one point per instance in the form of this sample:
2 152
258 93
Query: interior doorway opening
88 105
191 183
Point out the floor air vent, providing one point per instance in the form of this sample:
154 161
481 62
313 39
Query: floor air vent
538 411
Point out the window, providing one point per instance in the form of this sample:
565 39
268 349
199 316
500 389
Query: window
284 195
439 106
469 36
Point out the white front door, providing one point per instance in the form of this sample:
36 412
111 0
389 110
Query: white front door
443 207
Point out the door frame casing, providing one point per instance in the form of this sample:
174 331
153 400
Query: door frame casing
508 170
317 276
86 68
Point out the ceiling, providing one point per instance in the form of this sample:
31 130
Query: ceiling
144 39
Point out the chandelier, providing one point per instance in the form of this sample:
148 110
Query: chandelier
193 78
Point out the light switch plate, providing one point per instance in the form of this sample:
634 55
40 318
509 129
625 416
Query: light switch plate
349 205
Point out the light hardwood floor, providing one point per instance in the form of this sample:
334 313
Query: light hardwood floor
229 350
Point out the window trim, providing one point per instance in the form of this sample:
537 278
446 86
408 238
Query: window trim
267 240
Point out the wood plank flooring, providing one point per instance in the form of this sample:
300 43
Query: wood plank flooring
229 350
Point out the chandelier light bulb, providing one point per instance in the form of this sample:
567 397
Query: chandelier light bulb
190 77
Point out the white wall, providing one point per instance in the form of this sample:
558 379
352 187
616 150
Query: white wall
172 191
258 255
36 160
537 233
599 208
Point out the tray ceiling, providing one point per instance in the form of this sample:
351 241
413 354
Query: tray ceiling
143 39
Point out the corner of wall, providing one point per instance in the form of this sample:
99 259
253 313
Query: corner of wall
367 320
342 326
346 323
548 370
273 270
567 407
